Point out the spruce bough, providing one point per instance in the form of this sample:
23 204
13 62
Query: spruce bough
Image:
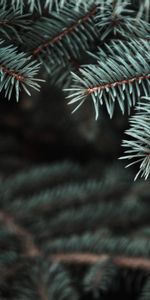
68 234
95 51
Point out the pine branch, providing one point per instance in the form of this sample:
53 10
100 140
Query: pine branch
140 143
59 76
57 281
30 249
90 259
32 5
145 294
119 20
124 78
11 22
100 277
144 9
101 242
64 36
17 71
41 264
41 177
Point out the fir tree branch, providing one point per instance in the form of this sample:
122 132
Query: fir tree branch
11 22
140 133
117 18
89 258
145 293
101 243
117 80
57 281
37 262
30 249
17 71
41 177
144 9
32 5
77 34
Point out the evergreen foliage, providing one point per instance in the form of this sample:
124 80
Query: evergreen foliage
96 50
139 131
79 240
68 230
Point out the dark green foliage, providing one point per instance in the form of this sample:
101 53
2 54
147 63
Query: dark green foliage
57 46
66 233
58 282
72 227
17 71
120 20
145 291
32 5
100 278
116 80
139 132
12 22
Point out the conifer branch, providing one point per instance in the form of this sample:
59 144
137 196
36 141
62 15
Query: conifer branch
118 19
139 132
64 37
123 78
30 249
32 5
11 22
65 32
89 258
17 71
145 293
38 262
144 9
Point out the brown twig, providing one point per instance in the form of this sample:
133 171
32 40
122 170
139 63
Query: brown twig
30 249
89 258
65 32
17 76
116 83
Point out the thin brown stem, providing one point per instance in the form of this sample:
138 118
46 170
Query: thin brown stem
17 76
89 258
116 83
30 249
65 32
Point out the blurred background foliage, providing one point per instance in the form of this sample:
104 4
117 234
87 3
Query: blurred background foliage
74 225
